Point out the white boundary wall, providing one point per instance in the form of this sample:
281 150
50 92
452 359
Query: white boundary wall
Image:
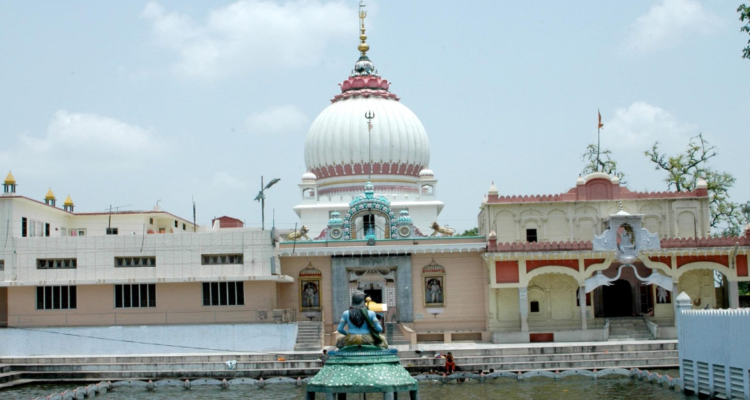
195 338
715 352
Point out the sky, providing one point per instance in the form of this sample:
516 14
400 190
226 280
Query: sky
132 103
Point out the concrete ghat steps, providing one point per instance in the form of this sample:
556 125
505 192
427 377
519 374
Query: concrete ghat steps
308 336
15 382
646 354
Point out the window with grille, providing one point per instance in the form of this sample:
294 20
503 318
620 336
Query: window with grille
130 262
56 298
210 259
2 265
223 294
135 296
56 263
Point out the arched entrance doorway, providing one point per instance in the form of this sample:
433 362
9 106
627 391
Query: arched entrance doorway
707 288
618 299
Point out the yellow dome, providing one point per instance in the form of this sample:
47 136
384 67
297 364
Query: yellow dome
10 180
50 195
68 201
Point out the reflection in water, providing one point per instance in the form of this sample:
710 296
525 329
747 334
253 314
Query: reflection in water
578 388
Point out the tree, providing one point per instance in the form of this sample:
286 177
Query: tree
684 170
471 232
745 15
603 163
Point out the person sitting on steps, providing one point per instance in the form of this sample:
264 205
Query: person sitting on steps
450 363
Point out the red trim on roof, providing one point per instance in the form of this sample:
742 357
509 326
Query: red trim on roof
596 189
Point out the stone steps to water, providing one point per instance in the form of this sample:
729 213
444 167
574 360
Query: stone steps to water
15 382
647 354
308 336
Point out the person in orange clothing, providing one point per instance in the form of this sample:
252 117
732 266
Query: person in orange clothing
450 363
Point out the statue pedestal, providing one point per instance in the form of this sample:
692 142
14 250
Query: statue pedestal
365 369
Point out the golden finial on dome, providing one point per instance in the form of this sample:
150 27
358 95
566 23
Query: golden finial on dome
10 180
363 47
50 195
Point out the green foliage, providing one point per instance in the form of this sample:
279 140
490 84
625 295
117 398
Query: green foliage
683 171
745 15
471 232
604 163
744 288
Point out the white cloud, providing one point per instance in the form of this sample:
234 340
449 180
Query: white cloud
77 140
277 120
667 23
641 124
251 33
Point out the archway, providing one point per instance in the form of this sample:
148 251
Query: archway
707 288
618 299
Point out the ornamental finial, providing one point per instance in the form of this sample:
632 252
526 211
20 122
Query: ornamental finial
363 47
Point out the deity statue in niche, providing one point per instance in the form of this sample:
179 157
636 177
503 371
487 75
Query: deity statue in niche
662 295
310 293
434 290
625 237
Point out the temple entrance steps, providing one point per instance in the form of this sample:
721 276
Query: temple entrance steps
309 336
650 354
393 334
628 328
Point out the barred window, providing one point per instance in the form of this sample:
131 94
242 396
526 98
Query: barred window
56 298
135 296
125 262
211 259
223 294
2 265
55 263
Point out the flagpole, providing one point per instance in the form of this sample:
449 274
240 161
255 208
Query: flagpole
598 139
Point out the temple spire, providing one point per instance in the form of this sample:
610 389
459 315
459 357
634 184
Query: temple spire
363 47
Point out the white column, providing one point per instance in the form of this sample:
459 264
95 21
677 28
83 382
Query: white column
673 295
734 294
582 302
523 308
682 303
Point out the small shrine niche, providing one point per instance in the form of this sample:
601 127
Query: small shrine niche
309 291
627 236
433 281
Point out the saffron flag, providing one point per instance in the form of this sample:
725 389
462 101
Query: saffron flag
601 125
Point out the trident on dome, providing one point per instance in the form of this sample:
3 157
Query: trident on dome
369 115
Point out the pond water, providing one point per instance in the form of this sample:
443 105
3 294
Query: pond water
578 388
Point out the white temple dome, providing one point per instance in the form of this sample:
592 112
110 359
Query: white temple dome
337 142
426 173
309 176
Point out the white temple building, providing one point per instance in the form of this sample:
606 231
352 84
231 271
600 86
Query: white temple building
367 134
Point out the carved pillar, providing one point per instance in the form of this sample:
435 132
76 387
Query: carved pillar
523 308
734 294
582 302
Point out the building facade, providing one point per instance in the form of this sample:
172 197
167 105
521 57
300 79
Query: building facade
543 268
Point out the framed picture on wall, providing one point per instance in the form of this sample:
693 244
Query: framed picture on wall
434 291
